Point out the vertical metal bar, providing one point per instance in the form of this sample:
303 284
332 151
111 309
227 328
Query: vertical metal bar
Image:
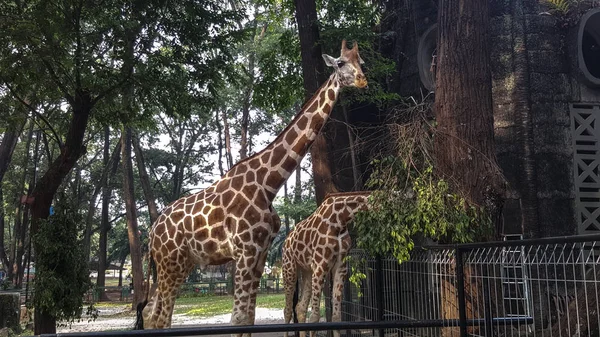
460 284
347 303
379 290
487 305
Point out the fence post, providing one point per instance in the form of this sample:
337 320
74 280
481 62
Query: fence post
347 304
460 285
379 291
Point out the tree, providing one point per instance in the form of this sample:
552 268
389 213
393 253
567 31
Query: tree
464 143
314 75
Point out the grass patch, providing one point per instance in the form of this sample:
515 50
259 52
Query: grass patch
207 306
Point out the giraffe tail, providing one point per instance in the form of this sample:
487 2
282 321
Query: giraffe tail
139 319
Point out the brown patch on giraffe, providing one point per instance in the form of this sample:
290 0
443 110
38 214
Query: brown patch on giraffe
278 154
301 145
242 226
250 250
188 208
264 159
322 97
334 218
216 216
251 261
338 206
206 210
199 222
300 246
218 233
327 213
250 177
177 216
259 235
249 191
327 109
171 228
328 253
241 169
251 215
210 247
238 205
245 236
170 245
201 235
261 174
222 185
302 122
322 241
313 107
331 94
237 183
227 197
159 229
254 163
274 180
291 136
316 123
289 164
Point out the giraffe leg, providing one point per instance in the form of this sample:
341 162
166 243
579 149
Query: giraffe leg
339 275
318 280
304 298
163 301
289 279
247 279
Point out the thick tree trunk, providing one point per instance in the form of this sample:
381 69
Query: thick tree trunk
145 180
45 189
131 214
314 74
464 143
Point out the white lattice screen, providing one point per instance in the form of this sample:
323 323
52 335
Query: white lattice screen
585 126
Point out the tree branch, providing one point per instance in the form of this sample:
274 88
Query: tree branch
57 81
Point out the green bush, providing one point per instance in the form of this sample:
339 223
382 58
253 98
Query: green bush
62 275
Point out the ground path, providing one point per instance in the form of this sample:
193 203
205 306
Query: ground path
121 318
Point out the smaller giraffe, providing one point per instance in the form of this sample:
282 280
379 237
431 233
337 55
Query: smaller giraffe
316 247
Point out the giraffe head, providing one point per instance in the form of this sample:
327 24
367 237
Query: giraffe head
347 66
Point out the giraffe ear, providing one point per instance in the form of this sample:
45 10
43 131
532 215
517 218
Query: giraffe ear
330 61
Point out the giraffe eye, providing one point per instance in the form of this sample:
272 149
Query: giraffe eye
340 64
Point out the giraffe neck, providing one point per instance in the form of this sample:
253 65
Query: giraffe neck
340 208
275 164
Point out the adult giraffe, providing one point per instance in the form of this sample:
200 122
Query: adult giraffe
233 219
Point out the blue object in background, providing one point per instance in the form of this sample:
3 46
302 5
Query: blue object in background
51 210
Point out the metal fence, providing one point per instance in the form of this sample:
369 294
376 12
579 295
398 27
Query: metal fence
545 287
551 284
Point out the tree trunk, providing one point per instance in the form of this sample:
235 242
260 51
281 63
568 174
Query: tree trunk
228 154
18 242
220 144
7 147
464 143
45 189
313 75
145 181
107 160
357 182
121 271
131 214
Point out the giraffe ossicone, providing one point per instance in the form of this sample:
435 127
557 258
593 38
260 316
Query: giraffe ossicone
317 248
234 219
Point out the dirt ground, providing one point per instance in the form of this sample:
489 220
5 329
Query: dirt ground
121 318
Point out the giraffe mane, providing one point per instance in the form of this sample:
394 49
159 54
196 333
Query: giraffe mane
346 194
282 132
